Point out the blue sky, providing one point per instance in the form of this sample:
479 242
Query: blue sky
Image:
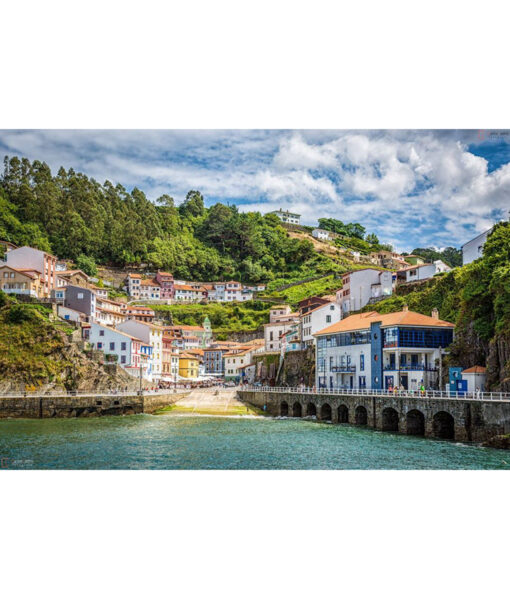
412 188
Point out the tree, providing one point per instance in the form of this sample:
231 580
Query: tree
87 265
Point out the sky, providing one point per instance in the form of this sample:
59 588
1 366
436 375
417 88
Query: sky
412 188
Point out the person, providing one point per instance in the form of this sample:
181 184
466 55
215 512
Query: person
422 389
478 392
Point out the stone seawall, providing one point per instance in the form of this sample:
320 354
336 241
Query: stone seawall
463 420
42 407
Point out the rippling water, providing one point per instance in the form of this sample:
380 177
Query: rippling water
185 442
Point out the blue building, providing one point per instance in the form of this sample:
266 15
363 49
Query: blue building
376 351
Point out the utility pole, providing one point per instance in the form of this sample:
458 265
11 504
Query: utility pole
141 374
440 368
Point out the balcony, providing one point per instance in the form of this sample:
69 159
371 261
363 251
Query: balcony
410 367
343 369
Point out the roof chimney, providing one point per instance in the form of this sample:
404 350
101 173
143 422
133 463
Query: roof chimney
435 313
405 308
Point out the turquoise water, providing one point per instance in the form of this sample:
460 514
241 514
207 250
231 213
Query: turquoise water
185 442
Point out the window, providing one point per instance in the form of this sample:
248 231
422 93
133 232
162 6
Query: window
123 359
101 332
328 318
123 345
361 362
99 345
112 345
80 296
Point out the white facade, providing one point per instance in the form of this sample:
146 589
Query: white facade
359 287
420 272
279 313
317 319
113 342
151 335
321 234
133 285
68 314
287 217
474 248
273 333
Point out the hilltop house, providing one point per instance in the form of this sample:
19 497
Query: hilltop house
274 331
362 287
421 272
26 282
188 366
323 234
370 350
80 299
286 216
140 313
32 259
474 248
166 285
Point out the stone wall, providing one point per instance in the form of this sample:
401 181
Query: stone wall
470 420
41 407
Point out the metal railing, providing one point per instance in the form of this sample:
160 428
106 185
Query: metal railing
76 394
431 394
410 367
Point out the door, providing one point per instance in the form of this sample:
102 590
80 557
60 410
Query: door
388 382
404 381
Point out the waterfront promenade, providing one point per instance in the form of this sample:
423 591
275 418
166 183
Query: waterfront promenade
433 414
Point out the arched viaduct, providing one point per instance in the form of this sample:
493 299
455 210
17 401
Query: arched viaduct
462 420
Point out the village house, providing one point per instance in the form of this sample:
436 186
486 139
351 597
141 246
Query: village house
6 246
238 359
166 285
189 293
26 282
151 335
287 217
110 312
150 289
317 319
362 287
290 341
279 312
71 276
134 282
188 366
371 350
32 259
389 260
323 234
170 362
140 313
474 248
122 348
311 303
421 272
273 332
68 314
82 300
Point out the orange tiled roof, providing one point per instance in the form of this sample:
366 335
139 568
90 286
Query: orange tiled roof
364 320
480 370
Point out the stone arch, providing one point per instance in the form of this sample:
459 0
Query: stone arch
415 422
343 414
389 419
443 425
326 412
284 409
361 415
297 409
311 410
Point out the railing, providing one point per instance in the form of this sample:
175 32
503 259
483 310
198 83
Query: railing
411 367
73 394
343 369
431 394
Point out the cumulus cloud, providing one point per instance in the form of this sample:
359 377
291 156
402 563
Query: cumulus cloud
413 188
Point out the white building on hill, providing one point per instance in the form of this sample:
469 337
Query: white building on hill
474 248
363 286
317 319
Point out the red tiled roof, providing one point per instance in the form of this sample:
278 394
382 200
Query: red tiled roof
480 370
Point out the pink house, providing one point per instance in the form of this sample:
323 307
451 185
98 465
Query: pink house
166 282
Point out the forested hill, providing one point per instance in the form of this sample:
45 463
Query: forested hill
75 217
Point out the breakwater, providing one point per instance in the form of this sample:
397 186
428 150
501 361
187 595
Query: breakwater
83 405
459 419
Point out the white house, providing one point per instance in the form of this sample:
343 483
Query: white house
126 348
361 287
151 335
375 351
420 272
133 285
286 216
280 312
321 234
476 378
317 319
474 248
273 333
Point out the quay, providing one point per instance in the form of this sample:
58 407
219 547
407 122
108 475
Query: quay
435 414
83 404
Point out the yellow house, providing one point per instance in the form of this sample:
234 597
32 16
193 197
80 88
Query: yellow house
21 281
188 366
